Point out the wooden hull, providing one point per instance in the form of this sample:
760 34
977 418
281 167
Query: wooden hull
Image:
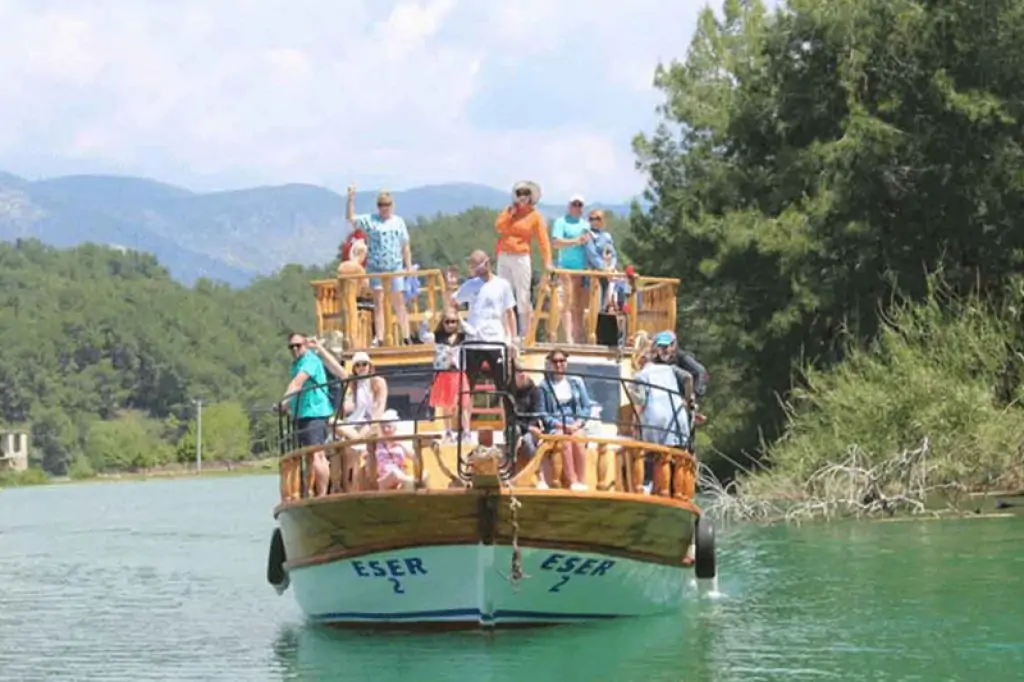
443 558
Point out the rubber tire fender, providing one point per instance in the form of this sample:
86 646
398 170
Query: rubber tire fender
704 549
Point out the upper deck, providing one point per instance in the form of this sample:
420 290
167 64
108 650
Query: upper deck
344 305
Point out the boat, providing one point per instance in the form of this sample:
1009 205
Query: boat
473 542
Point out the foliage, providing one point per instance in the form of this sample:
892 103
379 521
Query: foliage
101 354
812 163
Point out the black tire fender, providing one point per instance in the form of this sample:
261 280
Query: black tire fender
704 549
276 573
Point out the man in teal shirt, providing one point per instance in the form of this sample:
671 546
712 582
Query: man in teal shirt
307 399
569 233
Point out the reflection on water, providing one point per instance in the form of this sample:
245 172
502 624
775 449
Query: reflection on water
166 581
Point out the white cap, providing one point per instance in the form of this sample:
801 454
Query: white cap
577 197
389 416
361 356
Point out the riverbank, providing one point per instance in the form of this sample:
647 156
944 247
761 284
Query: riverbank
33 477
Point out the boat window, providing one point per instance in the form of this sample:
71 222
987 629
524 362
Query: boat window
603 385
408 388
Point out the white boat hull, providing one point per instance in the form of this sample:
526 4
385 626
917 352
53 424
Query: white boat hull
468 586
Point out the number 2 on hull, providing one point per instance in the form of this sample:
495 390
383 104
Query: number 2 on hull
557 587
398 585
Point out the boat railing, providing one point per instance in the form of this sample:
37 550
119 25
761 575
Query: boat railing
622 432
345 305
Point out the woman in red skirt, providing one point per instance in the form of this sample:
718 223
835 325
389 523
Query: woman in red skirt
449 381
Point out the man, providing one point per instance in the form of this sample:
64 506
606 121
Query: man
491 319
307 399
387 241
569 234
666 342
517 226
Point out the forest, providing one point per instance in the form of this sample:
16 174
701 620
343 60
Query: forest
838 185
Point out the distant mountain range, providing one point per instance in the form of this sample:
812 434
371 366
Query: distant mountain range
230 236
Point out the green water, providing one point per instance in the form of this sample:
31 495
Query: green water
164 580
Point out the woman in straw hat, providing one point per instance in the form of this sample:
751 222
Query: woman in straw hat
517 227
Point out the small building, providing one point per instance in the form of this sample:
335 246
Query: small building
13 451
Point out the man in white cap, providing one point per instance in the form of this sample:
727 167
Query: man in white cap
490 319
517 226
568 235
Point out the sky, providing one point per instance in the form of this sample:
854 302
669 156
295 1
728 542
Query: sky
222 94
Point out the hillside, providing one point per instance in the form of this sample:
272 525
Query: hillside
229 236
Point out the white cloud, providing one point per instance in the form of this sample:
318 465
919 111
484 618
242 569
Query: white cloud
227 93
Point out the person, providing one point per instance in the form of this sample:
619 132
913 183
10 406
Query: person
393 456
449 387
307 400
686 361
387 239
345 252
368 402
661 406
517 227
529 404
491 319
601 255
567 406
569 234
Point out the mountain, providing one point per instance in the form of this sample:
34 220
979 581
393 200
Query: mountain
231 236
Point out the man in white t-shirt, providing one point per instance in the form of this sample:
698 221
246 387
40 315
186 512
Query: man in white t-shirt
491 319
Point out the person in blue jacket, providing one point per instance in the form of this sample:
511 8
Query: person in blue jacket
567 408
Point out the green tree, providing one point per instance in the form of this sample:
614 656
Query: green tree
225 434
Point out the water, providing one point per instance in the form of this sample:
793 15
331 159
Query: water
164 580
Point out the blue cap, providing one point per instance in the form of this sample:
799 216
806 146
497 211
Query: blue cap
664 339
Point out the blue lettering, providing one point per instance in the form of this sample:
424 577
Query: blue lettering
398 586
576 565
395 567
585 566
377 570
360 571
415 566
551 562
557 587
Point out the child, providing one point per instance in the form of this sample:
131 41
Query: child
393 457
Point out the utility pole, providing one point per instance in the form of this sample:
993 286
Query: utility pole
199 435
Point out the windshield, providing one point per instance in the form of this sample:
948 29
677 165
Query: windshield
603 385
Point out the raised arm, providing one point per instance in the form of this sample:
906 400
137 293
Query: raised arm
350 206
379 386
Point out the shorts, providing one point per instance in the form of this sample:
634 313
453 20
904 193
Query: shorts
311 431
377 283
529 440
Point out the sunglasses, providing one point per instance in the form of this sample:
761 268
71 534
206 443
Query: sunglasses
596 220
360 364
577 204
294 346
523 193
451 321
557 361
386 205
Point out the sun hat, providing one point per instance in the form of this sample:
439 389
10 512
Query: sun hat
533 187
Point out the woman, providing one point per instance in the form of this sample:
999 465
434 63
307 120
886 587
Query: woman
567 408
661 407
369 398
449 383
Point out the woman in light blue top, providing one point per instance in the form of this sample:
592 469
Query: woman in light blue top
567 406
387 241
569 234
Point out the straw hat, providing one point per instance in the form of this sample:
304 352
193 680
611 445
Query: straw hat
532 186
334 342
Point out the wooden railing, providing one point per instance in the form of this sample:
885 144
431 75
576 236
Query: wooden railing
650 302
345 305
338 307
617 467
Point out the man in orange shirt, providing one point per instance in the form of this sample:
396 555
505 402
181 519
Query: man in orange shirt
517 226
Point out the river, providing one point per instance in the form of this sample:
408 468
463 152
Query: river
165 580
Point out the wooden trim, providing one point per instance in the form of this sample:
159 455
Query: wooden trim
343 553
522 493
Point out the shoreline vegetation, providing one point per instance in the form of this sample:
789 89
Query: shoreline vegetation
37 477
